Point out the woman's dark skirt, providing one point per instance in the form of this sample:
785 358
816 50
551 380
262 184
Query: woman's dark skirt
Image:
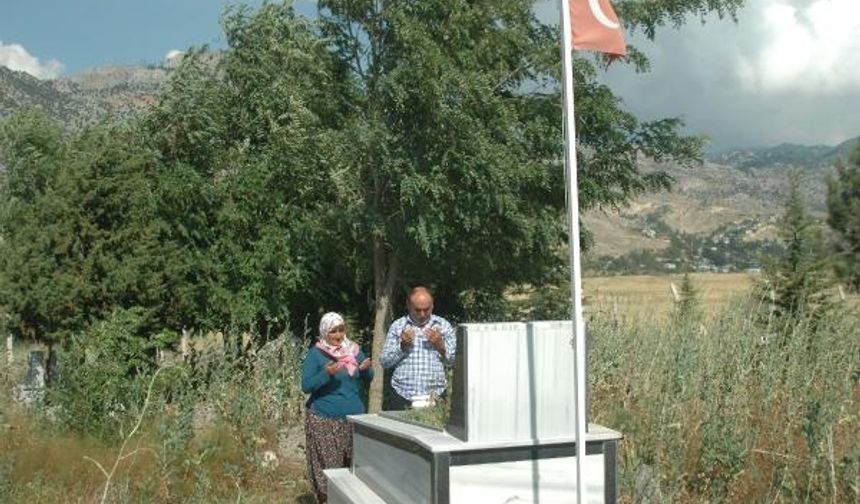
328 446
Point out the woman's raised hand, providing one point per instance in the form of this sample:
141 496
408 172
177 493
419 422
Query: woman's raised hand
332 368
365 365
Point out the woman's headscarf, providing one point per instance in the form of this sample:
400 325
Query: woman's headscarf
328 322
345 353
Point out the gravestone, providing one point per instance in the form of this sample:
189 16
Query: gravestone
30 389
53 368
510 435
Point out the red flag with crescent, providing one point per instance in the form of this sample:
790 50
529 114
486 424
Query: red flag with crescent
595 27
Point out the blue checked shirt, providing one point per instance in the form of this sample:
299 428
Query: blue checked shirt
420 369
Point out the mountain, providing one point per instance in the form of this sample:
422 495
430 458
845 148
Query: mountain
60 99
84 98
784 155
721 215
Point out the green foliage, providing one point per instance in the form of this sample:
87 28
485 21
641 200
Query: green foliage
103 377
688 306
81 235
33 151
843 207
794 284
310 163
246 131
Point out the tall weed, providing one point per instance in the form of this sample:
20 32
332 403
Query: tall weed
726 409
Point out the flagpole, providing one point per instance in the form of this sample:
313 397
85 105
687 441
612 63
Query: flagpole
574 243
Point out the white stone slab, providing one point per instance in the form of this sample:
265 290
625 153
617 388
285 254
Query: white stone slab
395 474
344 488
519 381
437 441
547 481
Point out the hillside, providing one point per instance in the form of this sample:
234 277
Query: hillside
84 98
784 155
722 212
704 199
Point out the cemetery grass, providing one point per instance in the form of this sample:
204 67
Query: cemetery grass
234 438
728 406
715 404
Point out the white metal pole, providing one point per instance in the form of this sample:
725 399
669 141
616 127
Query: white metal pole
574 245
9 349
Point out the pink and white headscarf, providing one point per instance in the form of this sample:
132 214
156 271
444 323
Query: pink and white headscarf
345 353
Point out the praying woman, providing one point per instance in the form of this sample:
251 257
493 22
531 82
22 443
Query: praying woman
332 375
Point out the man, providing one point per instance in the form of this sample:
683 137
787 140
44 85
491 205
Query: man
420 348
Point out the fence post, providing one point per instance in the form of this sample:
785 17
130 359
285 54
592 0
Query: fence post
9 353
183 344
675 294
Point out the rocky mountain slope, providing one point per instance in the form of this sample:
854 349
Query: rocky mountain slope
84 98
732 202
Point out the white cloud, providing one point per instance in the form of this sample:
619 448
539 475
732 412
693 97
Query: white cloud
783 73
172 54
15 57
808 46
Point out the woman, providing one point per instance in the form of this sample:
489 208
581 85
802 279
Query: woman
331 375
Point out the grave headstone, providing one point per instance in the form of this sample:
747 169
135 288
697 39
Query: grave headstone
30 389
53 367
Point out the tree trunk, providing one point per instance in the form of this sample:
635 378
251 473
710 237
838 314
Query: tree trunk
384 279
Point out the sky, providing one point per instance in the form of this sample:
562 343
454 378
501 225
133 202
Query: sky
787 71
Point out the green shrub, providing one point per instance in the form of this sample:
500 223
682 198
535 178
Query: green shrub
103 376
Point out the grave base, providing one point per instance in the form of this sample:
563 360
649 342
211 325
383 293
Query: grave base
396 462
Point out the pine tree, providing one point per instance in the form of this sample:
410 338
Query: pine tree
794 283
688 307
843 207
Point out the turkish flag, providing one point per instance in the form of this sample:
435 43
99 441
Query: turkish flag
595 27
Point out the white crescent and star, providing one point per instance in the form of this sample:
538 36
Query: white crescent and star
601 16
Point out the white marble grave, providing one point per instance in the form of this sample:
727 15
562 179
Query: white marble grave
510 437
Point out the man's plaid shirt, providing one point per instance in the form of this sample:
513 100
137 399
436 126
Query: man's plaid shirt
420 369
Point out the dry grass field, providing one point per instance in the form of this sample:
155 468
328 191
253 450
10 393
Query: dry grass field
647 294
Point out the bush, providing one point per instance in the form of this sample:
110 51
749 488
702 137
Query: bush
103 376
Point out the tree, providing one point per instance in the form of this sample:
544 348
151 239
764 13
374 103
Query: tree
331 163
843 207
80 231
795 283
454 129
250 130
33 150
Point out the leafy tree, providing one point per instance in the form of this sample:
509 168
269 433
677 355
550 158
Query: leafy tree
32 152
843 206
250 131
456 134
81 235
795 283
